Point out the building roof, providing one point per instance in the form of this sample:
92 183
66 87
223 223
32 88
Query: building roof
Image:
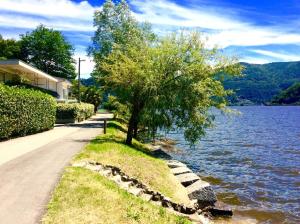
15 66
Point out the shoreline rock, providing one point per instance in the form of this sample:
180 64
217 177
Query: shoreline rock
198 190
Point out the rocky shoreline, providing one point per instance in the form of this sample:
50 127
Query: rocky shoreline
199 192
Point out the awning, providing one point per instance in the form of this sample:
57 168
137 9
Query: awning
19 67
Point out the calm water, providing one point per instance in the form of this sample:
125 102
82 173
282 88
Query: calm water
253 162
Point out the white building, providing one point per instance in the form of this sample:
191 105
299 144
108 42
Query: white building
16 69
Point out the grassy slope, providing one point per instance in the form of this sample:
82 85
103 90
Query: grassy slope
83 196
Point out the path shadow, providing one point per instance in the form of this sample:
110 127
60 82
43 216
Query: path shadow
86 125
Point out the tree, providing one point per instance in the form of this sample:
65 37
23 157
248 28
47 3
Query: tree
92 95
114 25
49 51
119 110
172 81
289 96
9 49
88 94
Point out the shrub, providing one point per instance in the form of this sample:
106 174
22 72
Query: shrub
119 110
25 111
28 86
72 112
89 94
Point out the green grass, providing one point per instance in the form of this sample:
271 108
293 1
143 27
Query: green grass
135 161
83 196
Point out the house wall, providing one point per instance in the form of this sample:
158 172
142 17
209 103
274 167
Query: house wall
5 77
42 83
46 84
62 90
52 86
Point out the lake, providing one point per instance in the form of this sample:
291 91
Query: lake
252 160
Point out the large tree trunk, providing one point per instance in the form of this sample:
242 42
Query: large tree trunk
135 129
130 130
133 122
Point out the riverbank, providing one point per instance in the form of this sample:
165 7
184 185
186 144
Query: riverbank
83 196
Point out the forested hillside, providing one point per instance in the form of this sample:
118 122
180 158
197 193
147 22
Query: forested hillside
290 96
262 82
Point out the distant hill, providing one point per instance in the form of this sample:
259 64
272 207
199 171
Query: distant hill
290 96
262 82
88 82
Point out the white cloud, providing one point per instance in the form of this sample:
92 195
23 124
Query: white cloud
163 12
20 21
253 36
222 25
280 56
51 8
58 14
226 28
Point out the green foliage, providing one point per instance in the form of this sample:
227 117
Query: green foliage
289 96
162 82
24 111
119 110
92 95
9 49
115 26
28 86
49 51
72 112
88 94
262 82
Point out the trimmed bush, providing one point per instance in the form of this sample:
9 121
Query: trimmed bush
73 112
25 111
28 86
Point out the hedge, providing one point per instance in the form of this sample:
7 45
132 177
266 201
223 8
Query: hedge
73 112
28 86
25 111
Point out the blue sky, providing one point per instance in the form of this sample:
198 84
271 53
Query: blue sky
256 31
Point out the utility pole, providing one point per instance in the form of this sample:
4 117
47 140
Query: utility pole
79 61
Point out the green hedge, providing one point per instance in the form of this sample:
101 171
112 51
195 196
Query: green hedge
73 112
24 111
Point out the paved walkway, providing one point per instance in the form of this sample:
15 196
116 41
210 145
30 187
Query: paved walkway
29 173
